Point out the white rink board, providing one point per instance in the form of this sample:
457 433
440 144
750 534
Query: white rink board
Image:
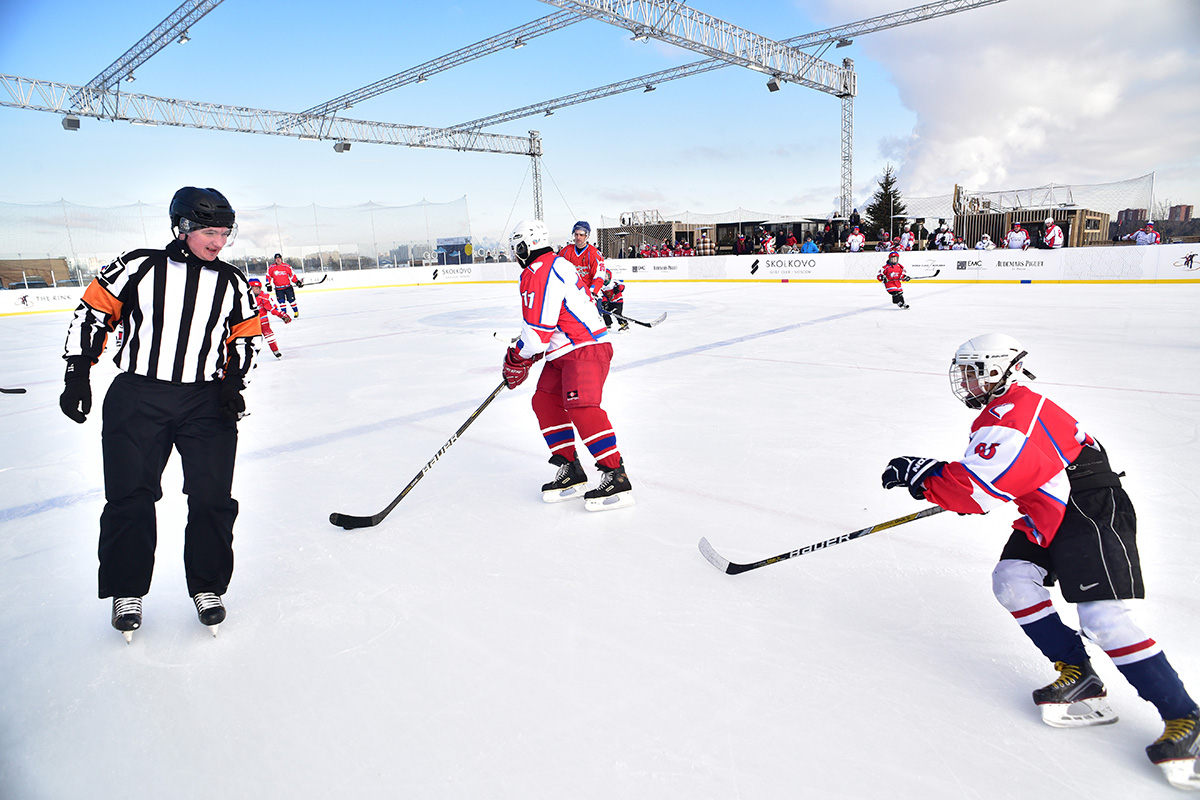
1128 264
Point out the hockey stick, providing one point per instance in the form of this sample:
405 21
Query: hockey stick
936 272
624 318
729 568
349 521
12 391
315 283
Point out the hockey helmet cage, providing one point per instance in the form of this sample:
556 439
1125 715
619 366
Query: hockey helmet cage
982 366
582 225
528 236
193 208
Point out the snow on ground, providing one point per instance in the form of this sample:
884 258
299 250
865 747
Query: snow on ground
482 644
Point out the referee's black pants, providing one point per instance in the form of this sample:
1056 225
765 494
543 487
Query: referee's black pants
143 419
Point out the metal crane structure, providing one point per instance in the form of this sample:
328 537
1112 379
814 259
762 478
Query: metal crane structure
143 109
670 21
172 29
840 36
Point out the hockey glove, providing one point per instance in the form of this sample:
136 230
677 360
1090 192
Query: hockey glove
76 399
910 472
516 367
286 319
233 405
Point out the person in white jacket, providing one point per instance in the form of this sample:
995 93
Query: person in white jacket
1017 238
1147 235
1053 237
985 243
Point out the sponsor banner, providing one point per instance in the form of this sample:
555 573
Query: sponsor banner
26 301
1177 262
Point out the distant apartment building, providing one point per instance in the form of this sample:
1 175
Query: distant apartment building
1180 214
1131 215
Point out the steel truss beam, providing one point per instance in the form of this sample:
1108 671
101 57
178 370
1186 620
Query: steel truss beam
18 92
672 22
166 32
516 37
653 79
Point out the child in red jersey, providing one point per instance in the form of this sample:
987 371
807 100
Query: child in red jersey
262 301
892 276
1077 528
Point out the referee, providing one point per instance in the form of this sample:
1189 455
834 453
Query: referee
190 326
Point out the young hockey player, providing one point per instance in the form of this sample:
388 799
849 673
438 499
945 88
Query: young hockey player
892 276
282 279
586 258
612 300
560 322
1077 526
262 302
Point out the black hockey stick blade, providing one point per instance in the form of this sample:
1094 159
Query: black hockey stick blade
350 522
624 318
317 283
936 272
730 568
12 391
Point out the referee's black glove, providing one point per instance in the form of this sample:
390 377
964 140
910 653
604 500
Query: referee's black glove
76 399
233 405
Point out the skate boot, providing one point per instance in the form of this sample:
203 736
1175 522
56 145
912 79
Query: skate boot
278 354
127 615
1076 699
614 490
568 484
624 327
1176 751
210 609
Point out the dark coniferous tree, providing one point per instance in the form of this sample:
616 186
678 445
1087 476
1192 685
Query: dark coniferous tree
885 205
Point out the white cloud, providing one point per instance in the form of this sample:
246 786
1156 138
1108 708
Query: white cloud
1025 93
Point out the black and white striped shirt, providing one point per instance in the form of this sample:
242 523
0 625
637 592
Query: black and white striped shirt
183 316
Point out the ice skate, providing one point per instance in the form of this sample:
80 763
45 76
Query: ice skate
278 354
210 609
568 484
624 327
613 492
1077 699
127 615
1176 751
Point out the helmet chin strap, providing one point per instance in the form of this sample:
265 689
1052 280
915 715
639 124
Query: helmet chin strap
1001 386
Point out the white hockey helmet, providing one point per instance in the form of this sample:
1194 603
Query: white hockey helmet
982 366
1049 221
527 236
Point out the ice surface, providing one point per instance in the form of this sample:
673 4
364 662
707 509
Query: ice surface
483 644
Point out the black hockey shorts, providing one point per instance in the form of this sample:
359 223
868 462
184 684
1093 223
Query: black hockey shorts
283 293
1094 555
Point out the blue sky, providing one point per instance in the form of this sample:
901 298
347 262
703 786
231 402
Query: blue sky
1010 96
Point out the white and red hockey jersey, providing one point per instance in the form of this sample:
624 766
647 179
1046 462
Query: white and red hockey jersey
1020 446
589 263
559 313
281 275
1017 239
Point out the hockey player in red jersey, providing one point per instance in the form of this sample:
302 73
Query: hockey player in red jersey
586 258
612 300
282 279
892 276
1077 527
262 302
560 322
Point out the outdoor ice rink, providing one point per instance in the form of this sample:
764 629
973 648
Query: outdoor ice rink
482 644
